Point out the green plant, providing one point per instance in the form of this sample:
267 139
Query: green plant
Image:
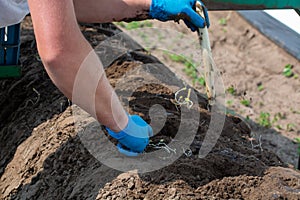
135 24
265 119
290 127
189 68
192 72
279 127
260 87
278 116
223 21
231 90
179 58
288 71
229 102
248 118
245 102
201 81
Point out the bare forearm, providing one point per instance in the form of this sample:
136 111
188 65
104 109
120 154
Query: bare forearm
111 10
64 52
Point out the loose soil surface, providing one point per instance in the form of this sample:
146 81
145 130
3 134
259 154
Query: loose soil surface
43 157
247 60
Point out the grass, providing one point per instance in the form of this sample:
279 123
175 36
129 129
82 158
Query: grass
179 59
265 120
134 24
201 81
189 68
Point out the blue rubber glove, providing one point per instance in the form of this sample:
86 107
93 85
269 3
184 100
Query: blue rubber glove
135 136
165 10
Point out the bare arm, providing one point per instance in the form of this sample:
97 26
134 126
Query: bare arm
65 52
63 48
111 10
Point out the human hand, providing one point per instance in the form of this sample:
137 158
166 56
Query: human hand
165 10
135 136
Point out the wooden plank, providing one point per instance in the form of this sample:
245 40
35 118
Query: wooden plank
276 31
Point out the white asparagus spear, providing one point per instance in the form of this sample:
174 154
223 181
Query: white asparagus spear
209 65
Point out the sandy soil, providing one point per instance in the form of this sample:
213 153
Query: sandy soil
42 156
246 60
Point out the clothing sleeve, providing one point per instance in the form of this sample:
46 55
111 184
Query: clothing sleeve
12 11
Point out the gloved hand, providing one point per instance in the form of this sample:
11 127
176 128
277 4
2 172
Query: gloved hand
135 136
165 10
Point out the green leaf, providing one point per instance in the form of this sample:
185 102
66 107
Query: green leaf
223 21
279 127
264 120
290 127
260 87
231 90
287 71
201 81
246 102
134 24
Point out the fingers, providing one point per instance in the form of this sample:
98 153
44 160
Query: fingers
190 25
202 10
194 18
126 152
205 11
138 120
117 136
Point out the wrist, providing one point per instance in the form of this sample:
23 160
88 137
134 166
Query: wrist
147 4
157 10
136 10
119 122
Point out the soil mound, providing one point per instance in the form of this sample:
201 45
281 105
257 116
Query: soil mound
42 157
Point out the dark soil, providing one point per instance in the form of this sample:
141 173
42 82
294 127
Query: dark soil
42 157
